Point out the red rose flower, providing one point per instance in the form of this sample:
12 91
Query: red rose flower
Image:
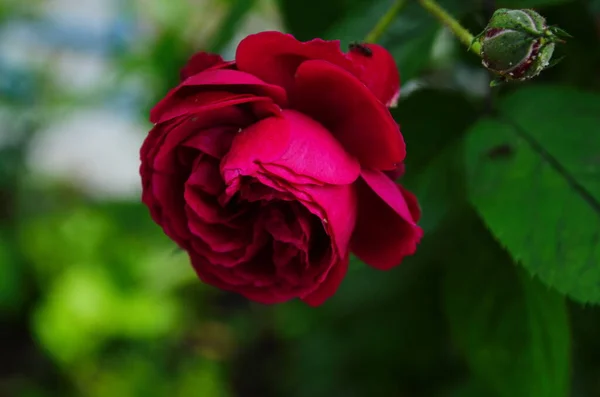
269 170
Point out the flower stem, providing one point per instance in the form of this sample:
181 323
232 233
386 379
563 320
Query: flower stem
455 27
385 21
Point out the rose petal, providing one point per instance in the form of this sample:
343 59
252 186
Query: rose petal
201 61
232 81
256 192
397 173
351 112
190 127
264 141
167 192
315 153
213 141
385 229
336 207
283 230
274 56
288 175
388 191
378 71
218 237
148 150
293 144
283 254
251 285
328 287
205 206
228 254
153 142
412 202
202 102
205 175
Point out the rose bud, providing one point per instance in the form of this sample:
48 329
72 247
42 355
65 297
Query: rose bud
270 170
518 44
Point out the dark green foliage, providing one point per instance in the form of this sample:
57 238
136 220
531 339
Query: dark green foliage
540 197
512 329
321 14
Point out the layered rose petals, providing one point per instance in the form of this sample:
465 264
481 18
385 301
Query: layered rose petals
295 159
271 169
227 88
324 187
274 56
351 112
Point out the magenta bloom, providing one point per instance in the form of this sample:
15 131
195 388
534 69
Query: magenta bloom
269 170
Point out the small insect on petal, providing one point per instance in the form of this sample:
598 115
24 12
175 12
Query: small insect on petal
361 49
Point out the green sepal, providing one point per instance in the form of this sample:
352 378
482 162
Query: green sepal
560 32
554 62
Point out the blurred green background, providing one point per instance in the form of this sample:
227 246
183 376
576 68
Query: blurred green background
96 301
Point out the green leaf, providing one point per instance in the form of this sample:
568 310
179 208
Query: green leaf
535 179
564 121
512 330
